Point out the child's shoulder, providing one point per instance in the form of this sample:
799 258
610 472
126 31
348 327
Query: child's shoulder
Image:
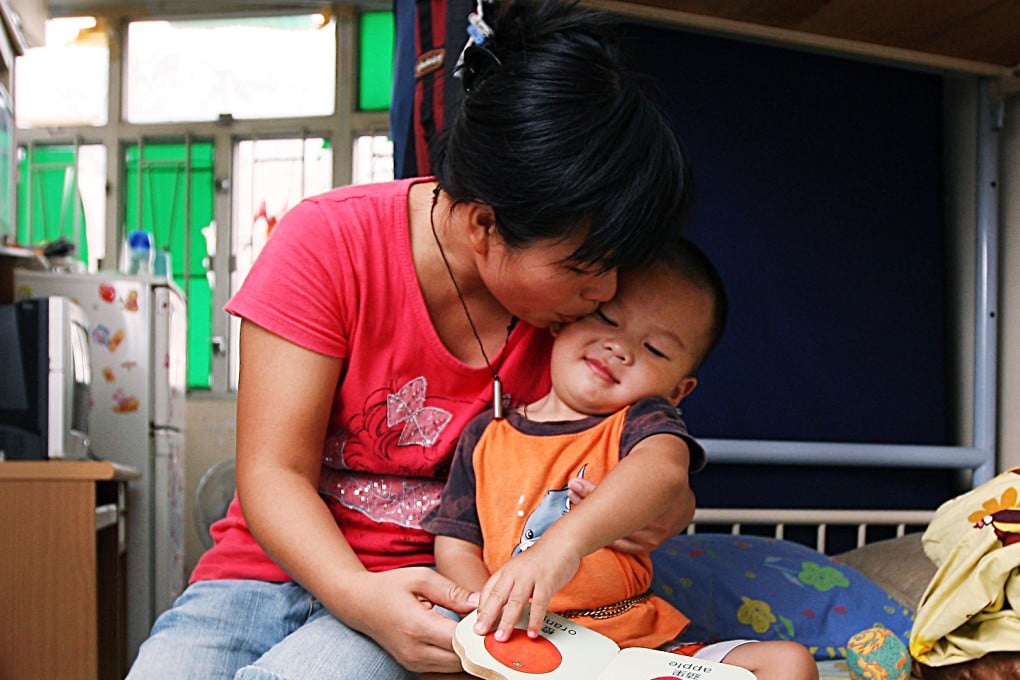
654 407
476 426
656 415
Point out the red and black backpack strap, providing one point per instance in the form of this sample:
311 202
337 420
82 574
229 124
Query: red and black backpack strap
440 35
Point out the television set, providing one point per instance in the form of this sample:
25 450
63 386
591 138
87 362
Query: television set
45 380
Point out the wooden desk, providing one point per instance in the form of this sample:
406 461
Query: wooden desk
62 570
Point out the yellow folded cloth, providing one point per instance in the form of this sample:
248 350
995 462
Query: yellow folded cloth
972 605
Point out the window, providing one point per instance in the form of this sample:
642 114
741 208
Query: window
168 192
62 195
219 135
270 176
6 163
375 69
267 67
373 159
66 81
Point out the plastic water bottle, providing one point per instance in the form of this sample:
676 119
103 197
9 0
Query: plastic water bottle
141 252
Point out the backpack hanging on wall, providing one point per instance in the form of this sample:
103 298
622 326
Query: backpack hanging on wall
429 39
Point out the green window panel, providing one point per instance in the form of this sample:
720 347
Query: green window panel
375 67
168 191
8 220
200 307
49 205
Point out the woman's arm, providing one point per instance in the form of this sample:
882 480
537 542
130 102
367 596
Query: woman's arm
633 494
461 561
284 400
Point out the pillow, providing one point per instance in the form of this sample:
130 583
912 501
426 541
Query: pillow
898 565
752 587
993 666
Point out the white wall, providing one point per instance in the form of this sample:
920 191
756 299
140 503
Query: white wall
960 112
210 438
32 15
1009 294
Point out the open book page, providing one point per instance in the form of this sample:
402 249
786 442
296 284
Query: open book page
651 664
566 650
563 651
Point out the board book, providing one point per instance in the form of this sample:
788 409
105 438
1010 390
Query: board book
566 650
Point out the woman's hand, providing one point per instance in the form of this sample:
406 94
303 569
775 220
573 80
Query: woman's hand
674 519
394 608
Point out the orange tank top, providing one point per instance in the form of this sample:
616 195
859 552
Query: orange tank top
519 495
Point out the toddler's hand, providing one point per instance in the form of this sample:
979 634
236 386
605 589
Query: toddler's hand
534 575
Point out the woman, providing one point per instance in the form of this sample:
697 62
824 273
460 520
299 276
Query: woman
380 319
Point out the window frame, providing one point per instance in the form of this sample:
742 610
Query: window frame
341 129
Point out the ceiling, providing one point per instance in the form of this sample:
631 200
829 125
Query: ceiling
971 36
978 36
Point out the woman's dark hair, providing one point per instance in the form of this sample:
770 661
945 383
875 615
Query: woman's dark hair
557 134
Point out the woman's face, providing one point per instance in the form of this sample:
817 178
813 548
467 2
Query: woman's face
539 285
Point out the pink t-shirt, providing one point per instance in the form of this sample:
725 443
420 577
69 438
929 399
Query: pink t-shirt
337 277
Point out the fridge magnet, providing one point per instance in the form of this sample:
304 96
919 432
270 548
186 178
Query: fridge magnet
107 293
116 339
124 403
131 303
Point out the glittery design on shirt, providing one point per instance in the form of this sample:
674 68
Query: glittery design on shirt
422 424
383 498
333 451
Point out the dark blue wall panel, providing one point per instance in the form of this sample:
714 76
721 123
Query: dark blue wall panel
818 194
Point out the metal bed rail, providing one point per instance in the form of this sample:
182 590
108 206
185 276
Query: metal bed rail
780 519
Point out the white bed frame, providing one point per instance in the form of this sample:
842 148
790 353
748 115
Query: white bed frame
821 520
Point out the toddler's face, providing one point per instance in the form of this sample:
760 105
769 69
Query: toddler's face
644 342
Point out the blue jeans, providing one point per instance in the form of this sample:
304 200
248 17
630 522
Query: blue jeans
253 630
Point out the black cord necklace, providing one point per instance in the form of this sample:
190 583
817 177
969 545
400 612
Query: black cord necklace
497 384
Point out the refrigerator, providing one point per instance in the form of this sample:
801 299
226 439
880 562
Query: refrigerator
138 337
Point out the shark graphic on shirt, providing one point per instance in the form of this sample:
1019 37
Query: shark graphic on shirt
554 505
